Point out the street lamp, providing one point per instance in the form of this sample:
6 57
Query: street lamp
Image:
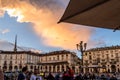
81 47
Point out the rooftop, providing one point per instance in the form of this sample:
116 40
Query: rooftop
104 48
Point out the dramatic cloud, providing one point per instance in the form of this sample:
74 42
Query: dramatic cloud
96 43
4 31
1 13
44 14
1 10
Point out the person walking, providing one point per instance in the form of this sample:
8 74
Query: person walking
66 76
50 77
57 76
1 74
71 73
35 75
22 76
113 78
79 77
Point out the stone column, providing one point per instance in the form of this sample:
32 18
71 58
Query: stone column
60 68
76 69
48 68
51 68
65 67
44 68
56 68
83 70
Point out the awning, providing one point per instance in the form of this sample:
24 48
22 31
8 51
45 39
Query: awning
95 13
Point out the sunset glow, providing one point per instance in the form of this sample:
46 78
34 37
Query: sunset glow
45 25
41 18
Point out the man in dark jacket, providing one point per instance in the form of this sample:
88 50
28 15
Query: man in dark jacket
22 76
1 74
113 77
50 77
79 77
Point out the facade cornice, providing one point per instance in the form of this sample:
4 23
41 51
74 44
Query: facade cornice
19 52
103 48
46 63
58 53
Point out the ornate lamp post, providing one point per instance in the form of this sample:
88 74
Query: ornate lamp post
81 47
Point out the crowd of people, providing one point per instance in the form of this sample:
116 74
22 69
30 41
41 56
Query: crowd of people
66 75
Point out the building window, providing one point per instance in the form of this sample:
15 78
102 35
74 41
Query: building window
41 67
41 59
5 57
21 56
103 56
112 60
106 51
5 62
20 62
111 55
90 61
53 58
66 56
89 52
111 51
116 54
16 56
57 57
50 58
15 67
62 57
31 67
98 55
10 62
62 68
98 60
0 57
103 60
11 57
90 57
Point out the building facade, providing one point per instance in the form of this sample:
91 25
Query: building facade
105 59
12 61
56 61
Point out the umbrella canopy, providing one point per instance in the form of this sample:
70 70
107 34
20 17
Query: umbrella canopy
96 13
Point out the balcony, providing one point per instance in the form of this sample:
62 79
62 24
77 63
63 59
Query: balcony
113 62
86 63
29 63
95 63
103 63
10 64
117 59
4 63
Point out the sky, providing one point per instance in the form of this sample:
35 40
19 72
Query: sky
35 24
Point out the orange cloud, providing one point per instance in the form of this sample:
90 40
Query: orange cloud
1 13
45 24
